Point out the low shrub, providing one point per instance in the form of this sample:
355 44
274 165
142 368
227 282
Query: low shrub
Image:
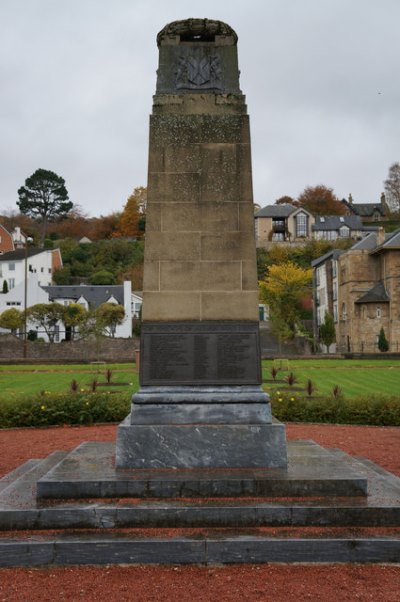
49 409
380 410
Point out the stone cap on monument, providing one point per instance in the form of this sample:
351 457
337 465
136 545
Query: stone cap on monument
197 55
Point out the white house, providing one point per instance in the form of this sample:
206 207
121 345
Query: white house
92 296
42 262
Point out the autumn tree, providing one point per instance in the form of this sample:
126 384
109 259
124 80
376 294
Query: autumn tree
135 207
109 316
103 227
45 198
46 316
284 200
320 200
392 188
75 225
11 319
283 290
327 331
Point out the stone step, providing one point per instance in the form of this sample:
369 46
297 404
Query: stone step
172 515
15 474
21 491
97 550
89 471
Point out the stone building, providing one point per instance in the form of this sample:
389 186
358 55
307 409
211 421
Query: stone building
282 223
361 289
368 212
289 224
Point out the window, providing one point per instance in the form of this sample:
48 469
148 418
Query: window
344 232
378 312
301 224
11 267
344 311
334 291
335 315
49 270
341 219
322 220
13 303
334 268
11 283
42 270
317 277
277 236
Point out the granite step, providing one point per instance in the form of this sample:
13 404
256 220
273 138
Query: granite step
21 491
11 477
89 472
91 549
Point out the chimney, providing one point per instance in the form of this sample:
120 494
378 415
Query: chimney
380 236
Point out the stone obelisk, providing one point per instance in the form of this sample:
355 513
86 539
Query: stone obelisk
200 403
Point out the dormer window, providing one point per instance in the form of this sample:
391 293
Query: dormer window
344 232
322 220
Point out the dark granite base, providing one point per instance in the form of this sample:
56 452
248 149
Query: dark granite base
205 394
89 471
200 445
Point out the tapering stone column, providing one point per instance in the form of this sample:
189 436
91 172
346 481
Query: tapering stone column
200 403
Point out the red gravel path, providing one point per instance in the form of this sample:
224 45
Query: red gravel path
275 583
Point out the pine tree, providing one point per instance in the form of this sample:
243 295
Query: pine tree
327 331
383 344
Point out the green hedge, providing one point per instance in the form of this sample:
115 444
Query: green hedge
380 410
49 409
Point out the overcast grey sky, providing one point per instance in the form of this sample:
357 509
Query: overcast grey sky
320 77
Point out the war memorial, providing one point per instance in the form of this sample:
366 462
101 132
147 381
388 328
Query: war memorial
200 448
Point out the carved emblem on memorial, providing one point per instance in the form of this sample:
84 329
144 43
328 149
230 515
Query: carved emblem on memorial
199 71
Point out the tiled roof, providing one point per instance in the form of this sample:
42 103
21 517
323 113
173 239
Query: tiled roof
366 209
20 254
377 294
94 295
365 244
335 222
283 210
333 254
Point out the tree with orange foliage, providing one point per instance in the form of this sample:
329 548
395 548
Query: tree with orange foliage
284 200
135 207
103 227
320 200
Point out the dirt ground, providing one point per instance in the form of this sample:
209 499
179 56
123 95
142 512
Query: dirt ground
275 583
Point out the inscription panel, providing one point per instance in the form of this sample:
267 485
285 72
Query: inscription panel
200 353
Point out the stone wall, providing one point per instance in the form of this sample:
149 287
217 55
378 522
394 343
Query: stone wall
106 349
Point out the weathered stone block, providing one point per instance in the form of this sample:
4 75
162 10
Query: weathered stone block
227 246
221 305
172 306
170 247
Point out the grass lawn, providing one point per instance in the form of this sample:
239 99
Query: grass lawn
27 380
354 377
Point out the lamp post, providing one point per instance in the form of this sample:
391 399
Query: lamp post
27 241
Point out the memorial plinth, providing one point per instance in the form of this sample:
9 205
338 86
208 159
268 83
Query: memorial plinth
200 402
